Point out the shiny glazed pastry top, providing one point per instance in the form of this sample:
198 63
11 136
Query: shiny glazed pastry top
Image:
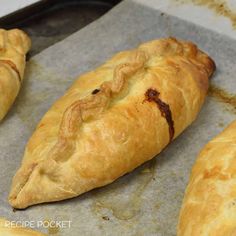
112 120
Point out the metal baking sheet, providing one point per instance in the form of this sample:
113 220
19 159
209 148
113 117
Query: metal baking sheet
48 22
146 201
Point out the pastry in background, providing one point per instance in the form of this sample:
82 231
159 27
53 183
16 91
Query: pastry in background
112 120
209 205
14 44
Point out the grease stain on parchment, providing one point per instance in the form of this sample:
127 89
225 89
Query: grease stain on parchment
223 96
220 7
52 228
221 124
123 206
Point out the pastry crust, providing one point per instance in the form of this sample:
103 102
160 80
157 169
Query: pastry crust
112 120
209 205
7 230
14 44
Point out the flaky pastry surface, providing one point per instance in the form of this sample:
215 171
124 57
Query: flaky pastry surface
112 120
209 205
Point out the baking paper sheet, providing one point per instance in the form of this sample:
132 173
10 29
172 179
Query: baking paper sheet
147 201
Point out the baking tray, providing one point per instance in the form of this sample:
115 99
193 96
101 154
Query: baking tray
50 21
146 201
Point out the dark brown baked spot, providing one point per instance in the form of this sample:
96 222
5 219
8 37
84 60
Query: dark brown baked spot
95 91
152 95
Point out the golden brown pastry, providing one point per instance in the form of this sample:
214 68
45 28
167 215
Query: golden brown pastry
209 206
7 230
112 120
14 44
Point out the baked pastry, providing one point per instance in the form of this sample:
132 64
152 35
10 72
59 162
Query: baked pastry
112 120
7 230
14 44
209 206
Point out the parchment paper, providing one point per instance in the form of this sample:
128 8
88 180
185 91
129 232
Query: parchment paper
147 201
